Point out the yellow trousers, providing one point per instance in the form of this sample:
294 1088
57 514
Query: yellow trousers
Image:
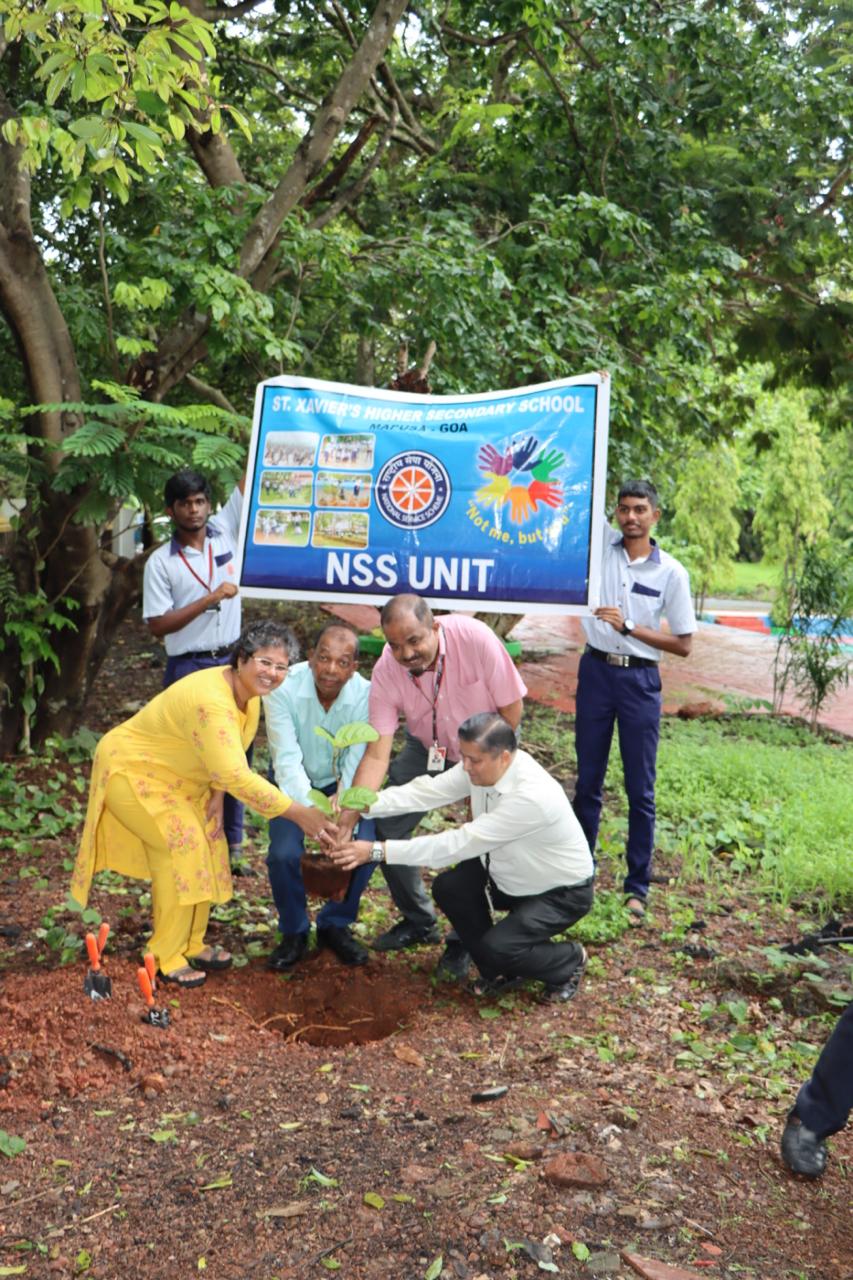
178 931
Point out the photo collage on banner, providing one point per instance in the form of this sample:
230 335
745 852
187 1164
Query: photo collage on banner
471 501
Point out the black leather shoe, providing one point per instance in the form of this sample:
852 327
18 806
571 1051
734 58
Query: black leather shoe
454 963
405 934
802 1150
563 992
288 952
339 939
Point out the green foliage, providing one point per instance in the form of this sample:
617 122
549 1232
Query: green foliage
138 80
810 654
10 1145
757 797
792 510
358 798
353 734
558 194
704 526
350 735
320 801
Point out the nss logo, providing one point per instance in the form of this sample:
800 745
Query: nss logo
412 490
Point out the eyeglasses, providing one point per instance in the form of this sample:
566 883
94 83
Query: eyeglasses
276 668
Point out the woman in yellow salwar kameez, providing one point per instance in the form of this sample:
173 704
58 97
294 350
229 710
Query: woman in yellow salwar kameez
156 793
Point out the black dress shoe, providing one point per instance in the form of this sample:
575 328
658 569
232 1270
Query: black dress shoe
288 952
339 939
405 934
453 963
802 1150
563 992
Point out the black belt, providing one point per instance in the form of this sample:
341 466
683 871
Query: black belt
619 659
222 652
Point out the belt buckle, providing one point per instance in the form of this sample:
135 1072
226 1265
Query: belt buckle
619 659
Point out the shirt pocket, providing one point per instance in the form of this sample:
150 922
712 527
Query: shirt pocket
646 604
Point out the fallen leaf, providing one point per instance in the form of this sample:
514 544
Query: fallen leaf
218 1184
374 1200
405 1053
293 1210
435 1268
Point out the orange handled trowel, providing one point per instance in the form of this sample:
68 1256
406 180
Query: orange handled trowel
146 978
96 984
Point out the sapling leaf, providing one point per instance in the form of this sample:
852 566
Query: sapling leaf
323 733
321 801
349 735
358 798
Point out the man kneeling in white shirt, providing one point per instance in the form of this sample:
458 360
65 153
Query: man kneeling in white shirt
523 853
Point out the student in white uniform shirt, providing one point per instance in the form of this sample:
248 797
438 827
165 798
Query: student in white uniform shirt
523 853
619 676
191 602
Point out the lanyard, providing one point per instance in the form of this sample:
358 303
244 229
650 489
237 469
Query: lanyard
439 672
207 585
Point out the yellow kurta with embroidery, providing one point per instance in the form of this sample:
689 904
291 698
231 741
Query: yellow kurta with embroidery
188 740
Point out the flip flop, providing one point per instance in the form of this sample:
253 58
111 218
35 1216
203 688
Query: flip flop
636 910
184 977
219 958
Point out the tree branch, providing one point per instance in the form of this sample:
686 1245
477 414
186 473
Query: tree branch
212 394
564 98
829 199
105 282
325 188
181 349
485 42
353 193
231 11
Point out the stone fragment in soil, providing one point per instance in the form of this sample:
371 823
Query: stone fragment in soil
649 1269
576 1169
606 1263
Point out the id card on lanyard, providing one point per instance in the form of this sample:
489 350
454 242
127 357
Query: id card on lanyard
436 756
208 586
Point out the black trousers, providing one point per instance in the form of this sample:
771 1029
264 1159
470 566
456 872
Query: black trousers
825 1101
518 946
406 884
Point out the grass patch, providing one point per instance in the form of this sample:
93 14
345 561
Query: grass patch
749 796
759 796
747 581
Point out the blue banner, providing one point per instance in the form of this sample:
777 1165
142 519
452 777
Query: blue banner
484 501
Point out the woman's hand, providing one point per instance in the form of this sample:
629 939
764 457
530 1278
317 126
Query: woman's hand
351 855
313 822
214 812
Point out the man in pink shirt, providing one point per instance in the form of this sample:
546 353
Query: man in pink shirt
434 673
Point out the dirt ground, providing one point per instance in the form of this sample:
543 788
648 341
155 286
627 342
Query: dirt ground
294 1126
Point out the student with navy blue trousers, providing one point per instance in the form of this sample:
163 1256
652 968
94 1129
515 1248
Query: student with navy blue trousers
619 676
823 1104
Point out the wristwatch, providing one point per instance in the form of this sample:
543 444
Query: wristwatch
377 851
627 627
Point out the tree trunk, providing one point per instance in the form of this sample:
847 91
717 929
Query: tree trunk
65 560
501 623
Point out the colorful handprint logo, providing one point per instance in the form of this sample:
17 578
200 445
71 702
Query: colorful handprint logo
520 478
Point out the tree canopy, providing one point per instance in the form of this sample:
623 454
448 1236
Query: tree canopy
196 196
